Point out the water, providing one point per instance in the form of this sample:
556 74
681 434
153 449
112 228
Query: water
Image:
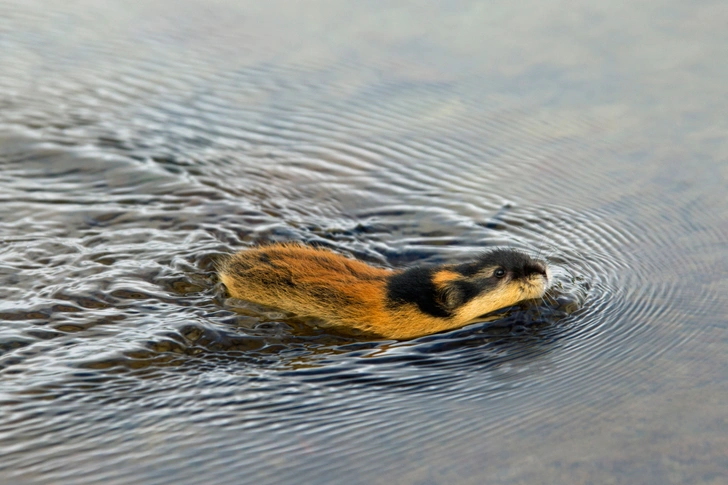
139 141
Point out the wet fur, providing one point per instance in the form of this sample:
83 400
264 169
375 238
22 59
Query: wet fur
358 298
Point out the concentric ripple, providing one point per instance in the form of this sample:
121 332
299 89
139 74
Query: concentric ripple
139 143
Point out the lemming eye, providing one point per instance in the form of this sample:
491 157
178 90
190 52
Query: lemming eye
499 273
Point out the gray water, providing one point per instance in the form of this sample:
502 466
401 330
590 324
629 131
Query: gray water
140 141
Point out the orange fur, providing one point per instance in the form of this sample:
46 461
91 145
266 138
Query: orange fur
346 293
442 277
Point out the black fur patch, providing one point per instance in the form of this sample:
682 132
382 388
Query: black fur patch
518 264
415 286
469 269
466 291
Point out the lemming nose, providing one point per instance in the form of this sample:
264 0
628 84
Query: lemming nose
536 267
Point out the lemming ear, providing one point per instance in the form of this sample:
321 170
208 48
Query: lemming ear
450 296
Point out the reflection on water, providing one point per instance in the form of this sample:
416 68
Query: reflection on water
139 143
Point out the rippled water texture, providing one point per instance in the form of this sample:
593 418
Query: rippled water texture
140 141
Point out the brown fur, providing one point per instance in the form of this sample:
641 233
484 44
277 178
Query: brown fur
349 294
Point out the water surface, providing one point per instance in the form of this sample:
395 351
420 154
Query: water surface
140 141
